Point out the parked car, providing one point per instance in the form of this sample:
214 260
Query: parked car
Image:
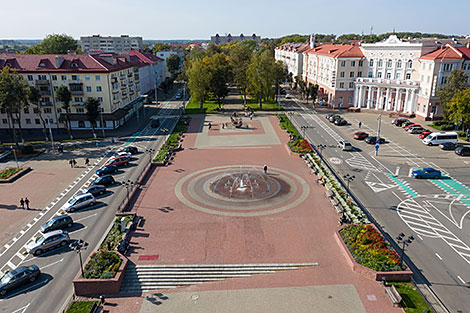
404 124
329 115
399 121
155 123
57 222
372 140
105 180
48 241
341 122
416 130
407 127
426 173
440 137
18 277
130 149
346 146
118 161
79 202
95 190
448 146
425 134
122 153
463 151
107 169
360 135
333 118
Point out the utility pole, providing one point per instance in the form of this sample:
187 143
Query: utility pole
379 119
50 131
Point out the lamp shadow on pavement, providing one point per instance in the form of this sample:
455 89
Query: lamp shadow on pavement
156 298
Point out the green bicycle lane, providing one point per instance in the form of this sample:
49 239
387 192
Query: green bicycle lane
460 191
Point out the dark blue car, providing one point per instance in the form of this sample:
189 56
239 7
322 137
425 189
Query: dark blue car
18 277
108 169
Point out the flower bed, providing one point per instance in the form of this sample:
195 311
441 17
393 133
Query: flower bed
370 249
173 140
300 146
102 264
115 234
81 306
8 172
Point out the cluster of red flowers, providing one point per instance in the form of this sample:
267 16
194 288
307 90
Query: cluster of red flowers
304 146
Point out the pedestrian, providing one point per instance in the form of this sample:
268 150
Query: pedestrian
223 125
26 201
251 116
210 125
71 163
22 203
360 124
265 169
87 162
74 163
97 144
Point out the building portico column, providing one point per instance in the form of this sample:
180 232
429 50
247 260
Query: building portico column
413 101
387 100
405 105
355 96
369 97
397 99
377 98
360 96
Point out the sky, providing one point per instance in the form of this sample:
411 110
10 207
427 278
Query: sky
199 19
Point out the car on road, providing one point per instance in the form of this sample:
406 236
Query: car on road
360 135
57 222
122 153
105 180
79 202
341 122
372 140
18 277
463 151
130 149
333 118
407 127
346 146
448 146
118 161
399 121
107 169
416 130
425 134
426 172
95 190
155 123
48 241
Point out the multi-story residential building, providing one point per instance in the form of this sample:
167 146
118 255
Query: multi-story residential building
152 72
291 54
166 54
97 43
229 38
112 79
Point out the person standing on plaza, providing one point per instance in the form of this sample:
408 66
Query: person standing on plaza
22 203
360 124
87 162
265 169
71 163
74 163
26 201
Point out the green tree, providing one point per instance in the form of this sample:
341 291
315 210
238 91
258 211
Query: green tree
198 81
241 58
457 81
34 96
458 108
64 95
160 46
173 65
261 76
92 106
54 44
312 92
220 71
280 74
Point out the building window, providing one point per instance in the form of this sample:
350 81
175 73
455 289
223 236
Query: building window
388 75
36 111
37 121
30 77
408 76
59 110
379 74
359 74
343 63
64 77
349 100
429 78
353 63
351 74
26 110
340 100
371 62
97 77
88 88
80 110
369 74
87 77
81 124
341 74
55 88
380 63
443 80
74 77
98 88
399 64
341 85
397 76
54 77
100 99
47 110
361 63
409 64
28 121
389 63
4 121
351 85
447 67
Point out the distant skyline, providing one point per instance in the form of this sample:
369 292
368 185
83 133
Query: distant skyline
188 19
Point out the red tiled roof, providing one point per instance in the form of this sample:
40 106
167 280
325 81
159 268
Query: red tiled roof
337 51
448 52
101 62
145 56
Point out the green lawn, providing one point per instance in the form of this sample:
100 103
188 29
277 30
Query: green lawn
266 105
81 306
210 106
412 301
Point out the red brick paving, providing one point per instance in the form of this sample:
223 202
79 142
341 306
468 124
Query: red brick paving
301 234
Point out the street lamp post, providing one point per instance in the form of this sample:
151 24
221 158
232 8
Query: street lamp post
129 185
320 149
150 152
405 242
379 120
348 178
16 159
78 246
102 123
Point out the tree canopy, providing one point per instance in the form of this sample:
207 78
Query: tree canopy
173 64
455 82
159 46
54 44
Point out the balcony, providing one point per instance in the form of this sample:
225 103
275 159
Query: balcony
42 82
116 90
130 81
76 89
122 76
136 77
114 80
115 101
45 103
388 82
129 74
45 92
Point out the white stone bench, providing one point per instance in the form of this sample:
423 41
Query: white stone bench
393 294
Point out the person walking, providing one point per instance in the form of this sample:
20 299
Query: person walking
26 201
360 124
87 162
210 125
265 169
22 203
74 163
71 163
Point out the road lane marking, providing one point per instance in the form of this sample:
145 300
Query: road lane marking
460 278
83 218
53 263
402 185
75 231
22 309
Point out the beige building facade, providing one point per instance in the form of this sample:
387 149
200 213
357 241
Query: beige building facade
117 44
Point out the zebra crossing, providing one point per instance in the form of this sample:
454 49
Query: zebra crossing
360 162
421 221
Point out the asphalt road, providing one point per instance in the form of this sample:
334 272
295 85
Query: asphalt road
54 287
434 211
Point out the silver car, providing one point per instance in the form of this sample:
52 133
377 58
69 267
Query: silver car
47 241
79 202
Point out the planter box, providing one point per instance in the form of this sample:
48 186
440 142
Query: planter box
159 163
100 286
289 151
367 272
16 175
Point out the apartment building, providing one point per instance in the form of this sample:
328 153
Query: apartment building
152 71
291 55
112 79
119 44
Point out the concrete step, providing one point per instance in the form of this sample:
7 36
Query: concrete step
207 270
181 273
224 265
173 280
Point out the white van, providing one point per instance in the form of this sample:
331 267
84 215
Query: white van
438 138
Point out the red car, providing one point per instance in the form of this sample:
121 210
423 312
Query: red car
360 135
424 134
118 161
412 125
